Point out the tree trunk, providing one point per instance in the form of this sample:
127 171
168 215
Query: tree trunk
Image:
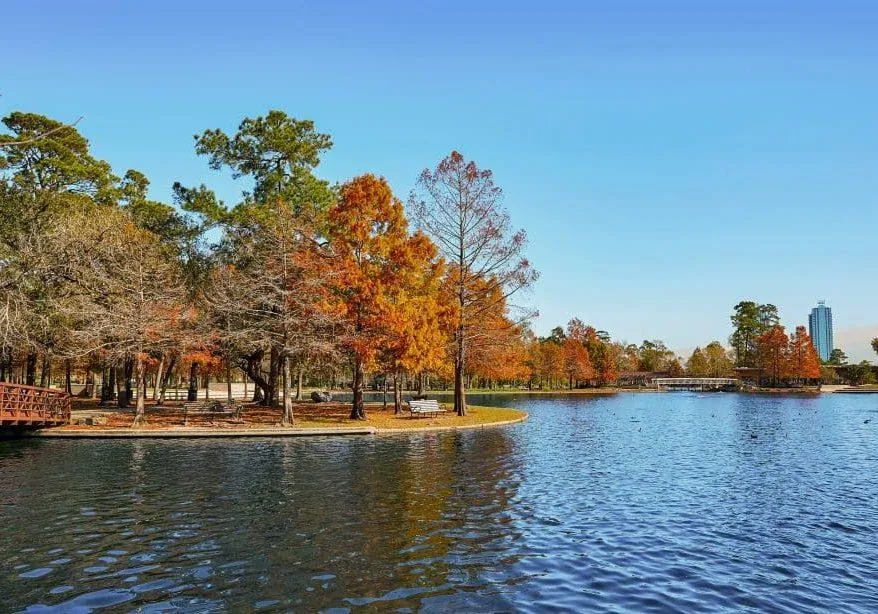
384 395
166 380
140 408
397 395
67 386
128 371
287 397
420 384
158 379
299 384
229 382
357 410
88 391
108 384
30 376
263 389
118 390
459 394
193 383
460 358
46 372
271 391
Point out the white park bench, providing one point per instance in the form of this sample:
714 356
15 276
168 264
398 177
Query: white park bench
425 407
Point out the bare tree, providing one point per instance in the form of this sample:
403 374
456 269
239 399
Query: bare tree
129 298
267 297
460 207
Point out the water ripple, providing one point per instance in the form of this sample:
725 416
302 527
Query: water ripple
627 503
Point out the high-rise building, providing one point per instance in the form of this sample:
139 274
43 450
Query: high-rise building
820 329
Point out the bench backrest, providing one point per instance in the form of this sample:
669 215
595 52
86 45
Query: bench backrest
424 404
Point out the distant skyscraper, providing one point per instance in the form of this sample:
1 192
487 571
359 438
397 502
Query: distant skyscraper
820 329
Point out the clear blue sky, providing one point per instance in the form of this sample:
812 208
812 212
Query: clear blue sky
666 158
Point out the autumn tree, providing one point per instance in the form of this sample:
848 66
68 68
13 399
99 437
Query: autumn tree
507 358
719 364
697 365
460 207
550 361
495 336
629 359
675 369
803 361
376 258
609 371
577 364
773 353
603 354
415 340
577 330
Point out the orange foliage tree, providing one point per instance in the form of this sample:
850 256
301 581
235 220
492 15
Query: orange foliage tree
497 350
577 364
773 351
378 263
675 369
803 361
604 355
415 339
200 361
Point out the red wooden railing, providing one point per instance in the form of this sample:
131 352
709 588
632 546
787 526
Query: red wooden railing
31 406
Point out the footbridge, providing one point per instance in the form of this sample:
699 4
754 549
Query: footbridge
29 406
697 383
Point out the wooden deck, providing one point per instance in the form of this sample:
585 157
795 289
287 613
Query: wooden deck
29 406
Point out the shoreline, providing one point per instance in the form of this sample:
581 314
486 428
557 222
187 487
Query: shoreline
270 431
608 391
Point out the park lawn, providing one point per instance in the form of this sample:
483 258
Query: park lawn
305 415
475 416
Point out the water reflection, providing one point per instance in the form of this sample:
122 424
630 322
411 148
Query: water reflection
291 523
634 502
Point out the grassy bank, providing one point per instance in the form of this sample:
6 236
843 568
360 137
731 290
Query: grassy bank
87 415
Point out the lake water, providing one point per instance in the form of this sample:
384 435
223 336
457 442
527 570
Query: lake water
634 502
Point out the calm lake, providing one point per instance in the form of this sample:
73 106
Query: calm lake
632 502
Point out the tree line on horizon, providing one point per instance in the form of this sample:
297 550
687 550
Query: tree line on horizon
583 356
299 279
